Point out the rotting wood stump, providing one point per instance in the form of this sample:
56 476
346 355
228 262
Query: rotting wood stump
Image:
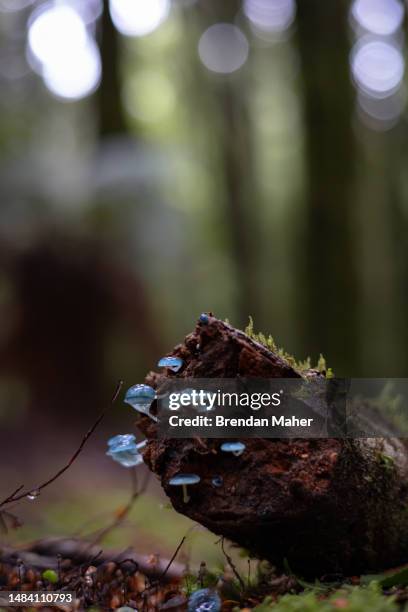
327 506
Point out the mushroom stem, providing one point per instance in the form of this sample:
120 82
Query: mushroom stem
186 497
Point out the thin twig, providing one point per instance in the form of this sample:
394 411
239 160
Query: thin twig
162 575
10 497
16 497
232 566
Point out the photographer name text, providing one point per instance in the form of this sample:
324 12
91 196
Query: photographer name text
250 421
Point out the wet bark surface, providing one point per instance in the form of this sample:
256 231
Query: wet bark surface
324 505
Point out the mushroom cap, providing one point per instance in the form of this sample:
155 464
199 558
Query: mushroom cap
127 457
140 392
174 363
121 439
232 447
184 479
123 449
203 318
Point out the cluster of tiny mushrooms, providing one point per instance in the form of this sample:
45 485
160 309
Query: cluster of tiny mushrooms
124 449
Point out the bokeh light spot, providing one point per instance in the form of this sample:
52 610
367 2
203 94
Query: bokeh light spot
272 16
75 75
223 48
377 67
381 113
138 17
63 52
89 10
381 17
55 29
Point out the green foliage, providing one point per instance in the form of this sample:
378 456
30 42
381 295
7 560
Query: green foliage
307 602
398 578
193 582
300 366
321 364
50 575
353 599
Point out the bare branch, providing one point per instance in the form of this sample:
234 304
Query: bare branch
163 574
16 496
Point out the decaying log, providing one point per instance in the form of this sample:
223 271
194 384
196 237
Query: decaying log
326 505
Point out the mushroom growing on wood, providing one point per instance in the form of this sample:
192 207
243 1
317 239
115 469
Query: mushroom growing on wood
123 449
141 397
236 448
173 363
326 505
182 480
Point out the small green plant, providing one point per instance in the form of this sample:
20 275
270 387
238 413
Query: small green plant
50 575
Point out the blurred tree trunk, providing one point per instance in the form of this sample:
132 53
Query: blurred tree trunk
328 291
382 252
235 146
111 116
240 196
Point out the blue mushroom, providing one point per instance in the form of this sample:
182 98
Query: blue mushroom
204 600
183 480
173 363
123 449
141 397
236 448
204 318
217 481
121 439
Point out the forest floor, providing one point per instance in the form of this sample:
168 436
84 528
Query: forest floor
81 535
112 581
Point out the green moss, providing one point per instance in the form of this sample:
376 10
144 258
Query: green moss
386 461
352 599
321 364
300 366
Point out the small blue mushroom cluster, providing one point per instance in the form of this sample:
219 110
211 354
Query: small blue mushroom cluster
173 363
204 600
141 397
184 480
124 449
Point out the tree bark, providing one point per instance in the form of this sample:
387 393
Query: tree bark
325 505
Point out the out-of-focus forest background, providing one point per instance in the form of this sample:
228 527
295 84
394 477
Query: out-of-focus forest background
160 158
